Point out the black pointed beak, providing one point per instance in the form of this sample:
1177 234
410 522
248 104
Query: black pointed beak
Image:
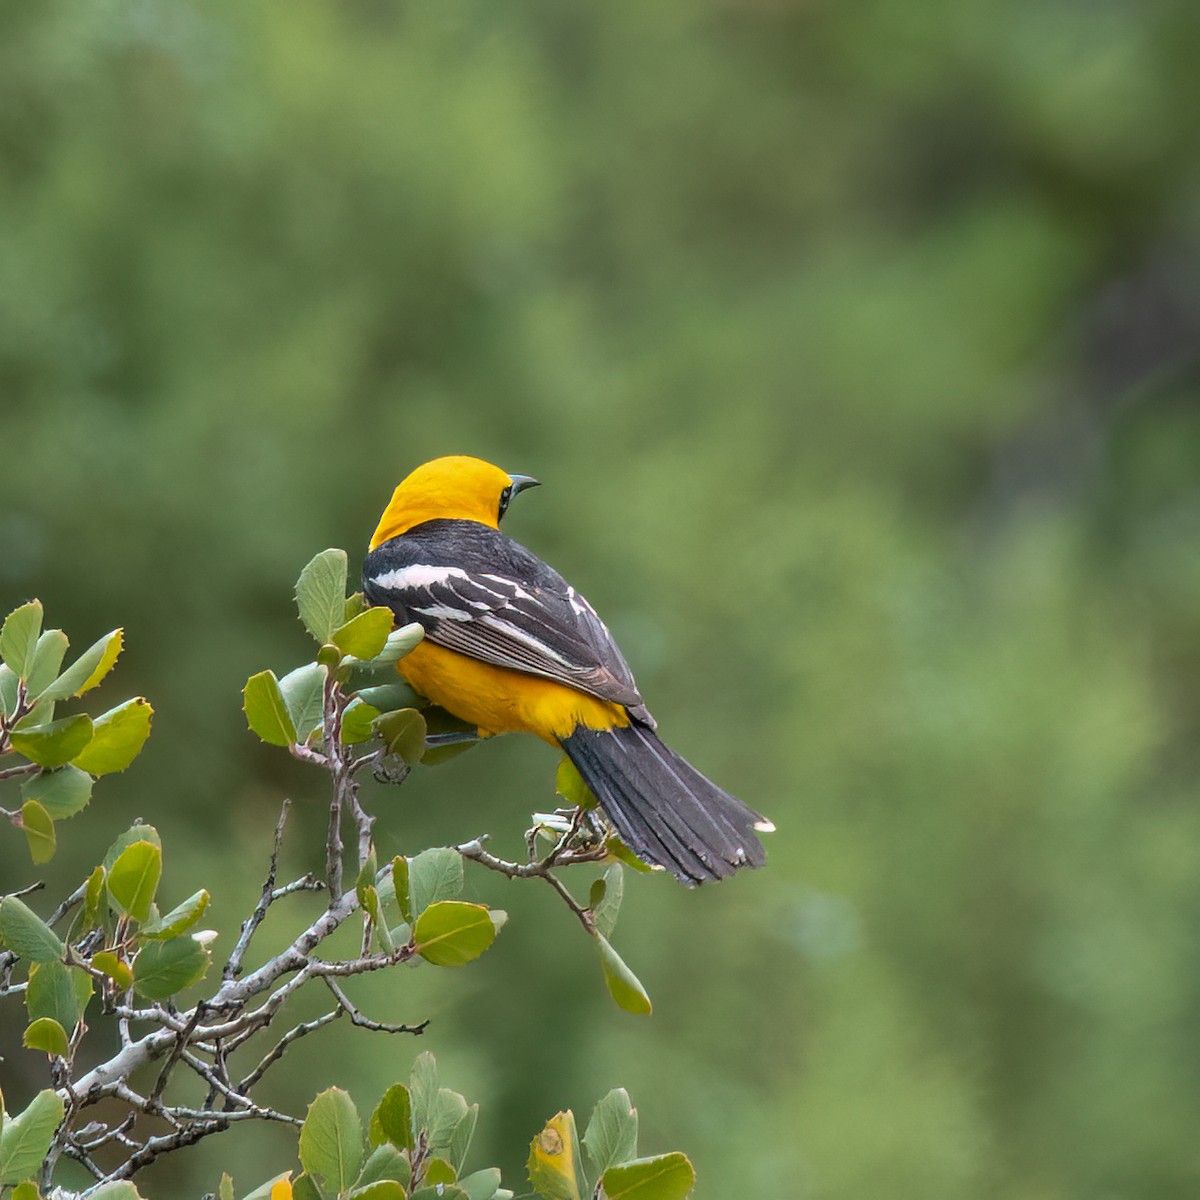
521 482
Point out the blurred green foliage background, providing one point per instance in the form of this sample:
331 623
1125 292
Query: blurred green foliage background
856 347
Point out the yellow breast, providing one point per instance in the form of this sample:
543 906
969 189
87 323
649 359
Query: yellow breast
498 700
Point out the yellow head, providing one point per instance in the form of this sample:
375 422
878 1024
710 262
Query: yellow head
452 488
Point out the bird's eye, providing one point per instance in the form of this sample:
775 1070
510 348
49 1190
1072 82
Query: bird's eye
505 497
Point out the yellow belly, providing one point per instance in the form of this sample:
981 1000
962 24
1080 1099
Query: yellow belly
498 700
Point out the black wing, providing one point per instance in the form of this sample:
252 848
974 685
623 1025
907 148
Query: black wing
477 591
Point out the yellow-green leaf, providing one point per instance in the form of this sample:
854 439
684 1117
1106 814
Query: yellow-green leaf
87 671
116 969
365 635
568 783
118 739
266 711
453 932
182 917
554 1167
358 722
666 1177
56 743
39 831
48 1036
133 879
624 985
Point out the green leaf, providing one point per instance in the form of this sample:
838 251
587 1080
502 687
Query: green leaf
115 968
26 934
303 692
403 734
26 1191
606 908
385 1162
354 605
384 1189
440 1191
26 1138
460 1137
423 1089
225 1187
358 722
56 743
180 918
666 1177
399 642
365 635
452 932
48 1036
133 879
163 968
622 854
19 635
138 832
368 898
400 885
304 1187
446 1113
481 1185
612 1132
392 1119
93 898
321 594
48 654
331 1138
434 875
87 671
118 739
57 991
624 985
554 1167
121 1190
62 793
387 697
8 690
266 710
438 1170
39 831
568 783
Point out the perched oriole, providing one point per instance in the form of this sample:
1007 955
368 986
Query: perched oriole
510 646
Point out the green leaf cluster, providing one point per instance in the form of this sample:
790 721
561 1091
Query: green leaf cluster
609 1166
413 1147
352 684
63 755
117 931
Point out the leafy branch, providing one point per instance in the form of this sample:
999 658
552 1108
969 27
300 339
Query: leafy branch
182 1072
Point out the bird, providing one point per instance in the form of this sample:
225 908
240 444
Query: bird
511 647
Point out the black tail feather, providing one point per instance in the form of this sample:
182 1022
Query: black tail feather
666 812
